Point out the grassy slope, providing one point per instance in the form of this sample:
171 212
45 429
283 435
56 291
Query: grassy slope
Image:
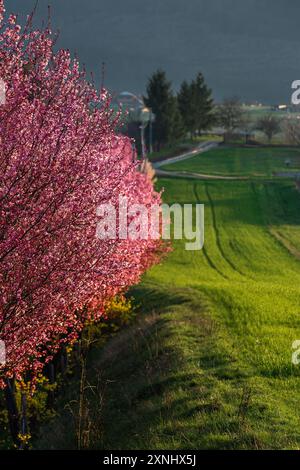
208 365
237 161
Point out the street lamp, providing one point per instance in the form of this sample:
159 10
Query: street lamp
140 113
152 118
145 114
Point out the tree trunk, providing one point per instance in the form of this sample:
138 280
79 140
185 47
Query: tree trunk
24 425
13 414
63 360
51 377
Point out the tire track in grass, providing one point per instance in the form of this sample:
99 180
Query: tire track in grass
217 233
276 234
285 242
206 255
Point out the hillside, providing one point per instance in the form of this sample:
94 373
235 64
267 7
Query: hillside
207 365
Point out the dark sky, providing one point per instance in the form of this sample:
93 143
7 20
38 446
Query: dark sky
249 48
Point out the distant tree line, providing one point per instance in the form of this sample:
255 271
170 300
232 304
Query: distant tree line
233 119
190 111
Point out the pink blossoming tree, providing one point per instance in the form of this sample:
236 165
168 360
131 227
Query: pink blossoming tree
60 158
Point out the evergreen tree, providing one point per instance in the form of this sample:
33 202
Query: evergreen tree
176 125
202 104
160 99
185 104
196 105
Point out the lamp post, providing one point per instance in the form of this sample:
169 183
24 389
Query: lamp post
145 114
139 113
151 131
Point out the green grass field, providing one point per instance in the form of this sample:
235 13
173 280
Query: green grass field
208 363
254 162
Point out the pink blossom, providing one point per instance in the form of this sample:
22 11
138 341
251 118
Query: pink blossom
60 157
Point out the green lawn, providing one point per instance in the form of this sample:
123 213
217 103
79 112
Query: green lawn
256 162
208 363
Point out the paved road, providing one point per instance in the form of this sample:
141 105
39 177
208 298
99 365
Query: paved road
287 174
199 176
203 147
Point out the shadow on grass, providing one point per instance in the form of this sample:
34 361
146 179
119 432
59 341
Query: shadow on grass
165 382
